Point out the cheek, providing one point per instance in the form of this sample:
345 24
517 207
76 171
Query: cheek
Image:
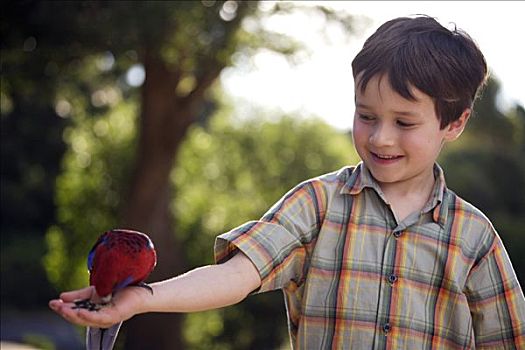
421 145
359 138
358 132
414 142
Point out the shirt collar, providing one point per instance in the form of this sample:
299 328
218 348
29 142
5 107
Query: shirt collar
361 178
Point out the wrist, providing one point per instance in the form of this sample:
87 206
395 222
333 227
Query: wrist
144 301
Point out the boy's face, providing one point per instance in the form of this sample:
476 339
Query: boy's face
398 139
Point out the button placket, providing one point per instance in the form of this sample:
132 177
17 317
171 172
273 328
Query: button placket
387 327
388 267
392 279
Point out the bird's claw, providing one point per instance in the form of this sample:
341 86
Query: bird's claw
145 286
86 304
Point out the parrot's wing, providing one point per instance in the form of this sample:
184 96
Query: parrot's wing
101 240
102 338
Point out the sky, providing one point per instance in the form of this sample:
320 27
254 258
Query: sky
321 84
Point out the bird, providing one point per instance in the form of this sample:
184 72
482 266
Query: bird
119 258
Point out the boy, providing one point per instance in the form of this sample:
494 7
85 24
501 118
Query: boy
380 255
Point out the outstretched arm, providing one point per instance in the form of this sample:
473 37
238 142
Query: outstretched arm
203 288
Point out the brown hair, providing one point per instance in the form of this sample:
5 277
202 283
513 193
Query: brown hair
419 52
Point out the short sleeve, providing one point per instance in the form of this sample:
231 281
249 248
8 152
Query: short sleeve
278 243
496 301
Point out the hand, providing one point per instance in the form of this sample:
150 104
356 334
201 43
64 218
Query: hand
124 305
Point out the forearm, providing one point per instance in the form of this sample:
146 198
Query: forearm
204 288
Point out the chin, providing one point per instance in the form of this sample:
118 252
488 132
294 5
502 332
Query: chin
385 179
380 176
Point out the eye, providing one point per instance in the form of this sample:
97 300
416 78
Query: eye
365 118
404 124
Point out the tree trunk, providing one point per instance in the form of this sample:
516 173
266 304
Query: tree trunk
164 121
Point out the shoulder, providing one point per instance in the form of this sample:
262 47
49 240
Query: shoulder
475 229
462 207
336 179
317 192
328 184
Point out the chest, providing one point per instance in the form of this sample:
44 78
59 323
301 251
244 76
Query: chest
372 280
361 249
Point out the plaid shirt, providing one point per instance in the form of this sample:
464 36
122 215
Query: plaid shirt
355 278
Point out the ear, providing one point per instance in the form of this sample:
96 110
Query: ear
455 128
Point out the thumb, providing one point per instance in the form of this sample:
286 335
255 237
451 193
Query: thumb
84 293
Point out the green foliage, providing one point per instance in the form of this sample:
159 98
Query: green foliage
64 63
95 173
228 174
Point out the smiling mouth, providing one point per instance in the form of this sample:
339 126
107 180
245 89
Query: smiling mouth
385 157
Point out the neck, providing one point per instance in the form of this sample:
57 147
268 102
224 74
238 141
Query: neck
409 196
407 189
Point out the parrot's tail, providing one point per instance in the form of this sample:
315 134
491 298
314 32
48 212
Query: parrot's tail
102 338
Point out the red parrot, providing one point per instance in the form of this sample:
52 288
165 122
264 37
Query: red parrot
119 258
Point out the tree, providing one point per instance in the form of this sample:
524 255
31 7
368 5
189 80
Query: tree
226 174
182 47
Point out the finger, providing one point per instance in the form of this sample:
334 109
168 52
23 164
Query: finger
102 319
55 304
66 311
84 293
58 305
83 317
70 313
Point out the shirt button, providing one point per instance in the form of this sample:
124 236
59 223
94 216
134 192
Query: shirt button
392 279
387 327
398 234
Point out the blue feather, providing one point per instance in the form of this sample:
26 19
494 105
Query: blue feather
126 282
101 240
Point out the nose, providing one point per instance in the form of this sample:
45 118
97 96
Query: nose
382 135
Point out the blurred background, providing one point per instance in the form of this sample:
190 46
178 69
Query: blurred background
185 119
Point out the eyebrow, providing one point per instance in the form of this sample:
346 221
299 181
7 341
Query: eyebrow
402 113
406 113
362 105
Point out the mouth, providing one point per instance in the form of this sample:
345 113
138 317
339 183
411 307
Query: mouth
385 158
